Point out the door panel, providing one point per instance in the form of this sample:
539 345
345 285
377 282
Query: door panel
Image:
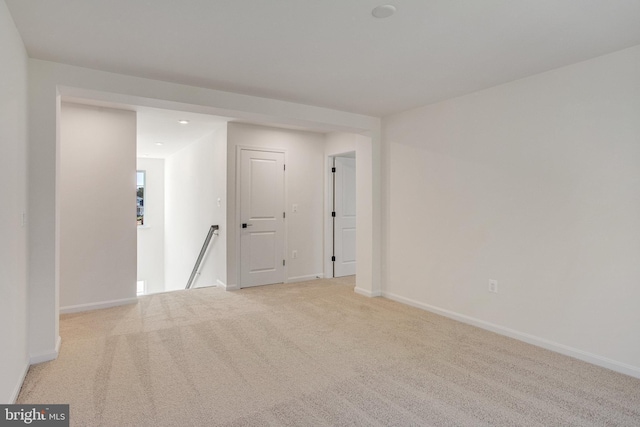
348 246
263 190
345 220
263 252
261 209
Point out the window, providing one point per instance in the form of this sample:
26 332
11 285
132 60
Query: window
140 182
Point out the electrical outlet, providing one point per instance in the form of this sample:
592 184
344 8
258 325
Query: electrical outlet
294 208
294 254
493 286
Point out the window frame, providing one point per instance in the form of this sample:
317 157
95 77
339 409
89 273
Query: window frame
140 208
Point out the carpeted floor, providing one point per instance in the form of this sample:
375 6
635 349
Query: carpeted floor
312 354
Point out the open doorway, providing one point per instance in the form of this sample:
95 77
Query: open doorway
182 157
348 238
55 83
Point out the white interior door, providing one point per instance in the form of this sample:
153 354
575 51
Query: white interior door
261 218
345 219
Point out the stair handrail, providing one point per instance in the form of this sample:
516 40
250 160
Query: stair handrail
205 245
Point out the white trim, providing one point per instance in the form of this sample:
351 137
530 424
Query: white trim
221 284
326 217
212 285
367 292
594 359
46 357
226 287
16 390
304 278
97 305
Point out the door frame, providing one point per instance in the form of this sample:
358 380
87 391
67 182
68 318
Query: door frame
328 203
238 217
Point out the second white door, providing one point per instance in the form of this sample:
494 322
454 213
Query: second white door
345 218
261 217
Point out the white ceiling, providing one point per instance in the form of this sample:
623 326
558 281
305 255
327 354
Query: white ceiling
159 133
161 126
330 53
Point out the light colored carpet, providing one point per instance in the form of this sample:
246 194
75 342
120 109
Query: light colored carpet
312 354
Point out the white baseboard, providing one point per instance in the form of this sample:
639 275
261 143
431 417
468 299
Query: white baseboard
97 305
304 278
16 389
367 293
594 359
46 357
219 284
228 287
210 285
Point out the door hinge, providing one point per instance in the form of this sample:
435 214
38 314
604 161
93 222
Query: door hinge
284 214
333 170
282 262
285 167
333 259
333 214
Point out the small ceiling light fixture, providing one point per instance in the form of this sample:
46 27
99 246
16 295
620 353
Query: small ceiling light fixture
384 11
159 143
183 122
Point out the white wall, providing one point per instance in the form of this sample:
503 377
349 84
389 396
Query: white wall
534 183
339 143
97 206
196 178
304 178
367 217
151 235
14 358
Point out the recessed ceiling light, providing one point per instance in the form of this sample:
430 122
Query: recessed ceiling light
158 143
384 11
146 154
183 122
